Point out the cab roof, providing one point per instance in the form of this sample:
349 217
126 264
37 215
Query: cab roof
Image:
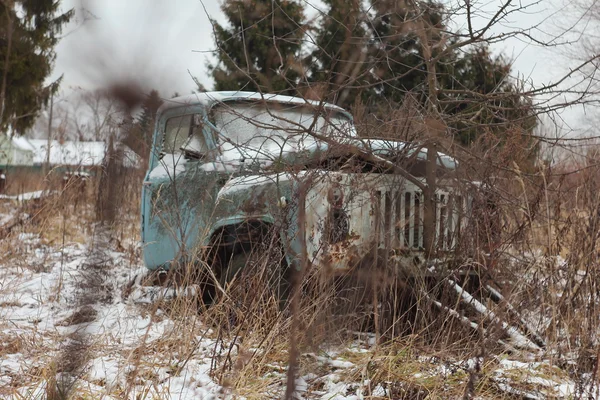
208 99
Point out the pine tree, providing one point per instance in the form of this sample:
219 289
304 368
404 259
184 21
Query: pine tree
339 60
478 93
29 32
466 78
139 134
396 49
260 49
377 56
147 118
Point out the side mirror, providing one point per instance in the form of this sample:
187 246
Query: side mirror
197 120
194 148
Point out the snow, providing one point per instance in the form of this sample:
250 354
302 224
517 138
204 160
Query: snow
40 289
261 126
169 166
76 153
208 99
22 143
390 147
35 305
543 381
6 217
263 154
518 339
108 371
68 153
246 182
27 196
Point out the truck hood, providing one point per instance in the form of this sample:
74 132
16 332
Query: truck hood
271 154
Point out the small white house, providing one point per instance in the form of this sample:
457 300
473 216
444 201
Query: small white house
68 153
75 154
15 151
21 152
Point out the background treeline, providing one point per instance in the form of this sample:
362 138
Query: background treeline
375 52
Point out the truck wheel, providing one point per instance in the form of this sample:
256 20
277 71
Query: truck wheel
252 266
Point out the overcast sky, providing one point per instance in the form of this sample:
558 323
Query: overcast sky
160 43
151 41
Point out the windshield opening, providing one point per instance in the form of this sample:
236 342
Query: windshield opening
183 133
258 124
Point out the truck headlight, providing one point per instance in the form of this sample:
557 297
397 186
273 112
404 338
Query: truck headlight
282 202
338 226
335 196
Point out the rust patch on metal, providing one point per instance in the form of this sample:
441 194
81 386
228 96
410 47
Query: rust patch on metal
256 204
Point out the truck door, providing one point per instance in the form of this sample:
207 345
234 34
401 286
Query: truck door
178 193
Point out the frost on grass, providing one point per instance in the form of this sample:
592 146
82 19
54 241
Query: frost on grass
132 349
42 318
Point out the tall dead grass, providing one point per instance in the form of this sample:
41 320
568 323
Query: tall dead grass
528 255
536 245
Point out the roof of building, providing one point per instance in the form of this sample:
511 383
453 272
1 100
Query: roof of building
75 153
68 153
22 143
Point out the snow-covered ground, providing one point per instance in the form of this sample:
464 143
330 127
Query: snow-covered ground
41 315
66 317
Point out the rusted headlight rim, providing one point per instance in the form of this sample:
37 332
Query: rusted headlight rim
335 196
282 202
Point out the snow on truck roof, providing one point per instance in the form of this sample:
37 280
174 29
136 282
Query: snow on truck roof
209 99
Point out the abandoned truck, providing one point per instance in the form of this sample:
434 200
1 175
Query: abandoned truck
229 169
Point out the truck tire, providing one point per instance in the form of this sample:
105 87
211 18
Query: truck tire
260 261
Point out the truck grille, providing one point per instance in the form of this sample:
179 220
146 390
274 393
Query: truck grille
398 219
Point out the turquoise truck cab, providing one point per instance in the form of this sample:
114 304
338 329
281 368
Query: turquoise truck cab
225 160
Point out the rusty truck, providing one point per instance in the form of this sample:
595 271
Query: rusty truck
229 170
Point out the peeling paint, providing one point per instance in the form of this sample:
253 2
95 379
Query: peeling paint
350 216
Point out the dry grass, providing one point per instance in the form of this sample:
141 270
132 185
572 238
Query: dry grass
413 348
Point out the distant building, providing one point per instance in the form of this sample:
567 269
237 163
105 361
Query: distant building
16 152
22 154
77 155
68 153
23 162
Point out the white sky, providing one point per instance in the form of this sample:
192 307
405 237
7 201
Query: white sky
150 41
156 42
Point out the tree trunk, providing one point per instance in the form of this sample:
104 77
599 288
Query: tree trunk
429 220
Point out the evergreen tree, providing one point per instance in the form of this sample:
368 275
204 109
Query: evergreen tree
260 49
478 94
377 56
396 51
28 34
147 118
339 61
139 134
473 87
